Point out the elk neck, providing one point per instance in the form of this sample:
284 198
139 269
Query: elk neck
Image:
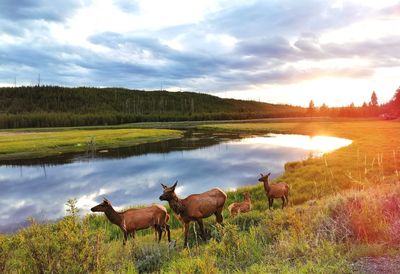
177 206
113 216
266 186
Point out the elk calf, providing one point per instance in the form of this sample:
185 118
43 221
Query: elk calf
195 207
136 218
275 191
245 206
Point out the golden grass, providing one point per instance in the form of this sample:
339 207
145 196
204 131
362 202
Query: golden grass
373 157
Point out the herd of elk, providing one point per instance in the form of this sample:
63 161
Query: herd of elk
275 191
195 207
245 206
134 219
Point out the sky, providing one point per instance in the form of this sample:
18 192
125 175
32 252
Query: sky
278 51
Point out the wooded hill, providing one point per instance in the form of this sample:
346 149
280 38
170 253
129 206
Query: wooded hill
47 106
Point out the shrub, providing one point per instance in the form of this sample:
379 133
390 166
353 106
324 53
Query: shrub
370 216
149 257
206 263
4 252
236 250
245 221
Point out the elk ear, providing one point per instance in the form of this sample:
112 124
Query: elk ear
164 186
269 174
261 175
173 187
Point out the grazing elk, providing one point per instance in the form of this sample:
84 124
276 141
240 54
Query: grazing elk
195 207
245 206
163 228
136 218
280 190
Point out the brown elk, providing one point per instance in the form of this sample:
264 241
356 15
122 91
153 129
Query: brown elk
195 207
245 206
136 218
275 191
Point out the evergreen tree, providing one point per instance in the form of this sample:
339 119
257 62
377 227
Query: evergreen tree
311 107
374 99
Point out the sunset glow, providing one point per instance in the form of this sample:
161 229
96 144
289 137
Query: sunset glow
333 52
316 144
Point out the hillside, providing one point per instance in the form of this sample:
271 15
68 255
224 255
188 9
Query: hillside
43 106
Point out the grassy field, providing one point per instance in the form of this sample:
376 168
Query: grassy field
373 157
20 144
344 205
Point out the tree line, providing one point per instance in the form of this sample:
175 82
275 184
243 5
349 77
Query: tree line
49 106
389 110
52 106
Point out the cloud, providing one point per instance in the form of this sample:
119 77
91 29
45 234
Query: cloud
230 46
129 6
23 10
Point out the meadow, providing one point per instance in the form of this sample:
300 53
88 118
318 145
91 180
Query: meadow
343 206
35 143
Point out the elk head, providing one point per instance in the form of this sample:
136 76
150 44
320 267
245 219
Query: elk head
169 192
102 207
264 178
246 195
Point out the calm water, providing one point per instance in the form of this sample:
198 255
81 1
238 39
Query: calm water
131 176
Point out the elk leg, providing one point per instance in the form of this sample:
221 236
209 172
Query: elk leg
125 237
155 232
203 234
186 234
160 231
218 214
283 202
133 233
169 233
271 202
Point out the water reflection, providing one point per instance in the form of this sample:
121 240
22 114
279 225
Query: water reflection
199 163
315 144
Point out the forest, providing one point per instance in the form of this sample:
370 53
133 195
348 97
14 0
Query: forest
54 106
50 106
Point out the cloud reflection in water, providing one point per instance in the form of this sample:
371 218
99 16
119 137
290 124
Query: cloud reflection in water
41 191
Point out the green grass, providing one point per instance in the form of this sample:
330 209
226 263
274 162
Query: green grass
343 206
19 144
373 157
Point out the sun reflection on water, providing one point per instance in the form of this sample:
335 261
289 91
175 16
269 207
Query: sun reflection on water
316 144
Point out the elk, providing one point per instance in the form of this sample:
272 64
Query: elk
136 218
195 207
245 206
163 228
275 191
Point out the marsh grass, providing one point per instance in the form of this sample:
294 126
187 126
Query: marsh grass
26 144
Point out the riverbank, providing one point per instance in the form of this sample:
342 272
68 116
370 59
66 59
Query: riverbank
33 143
26 144
373 155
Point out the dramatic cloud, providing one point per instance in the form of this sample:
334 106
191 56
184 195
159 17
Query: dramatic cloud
252 50
24 10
